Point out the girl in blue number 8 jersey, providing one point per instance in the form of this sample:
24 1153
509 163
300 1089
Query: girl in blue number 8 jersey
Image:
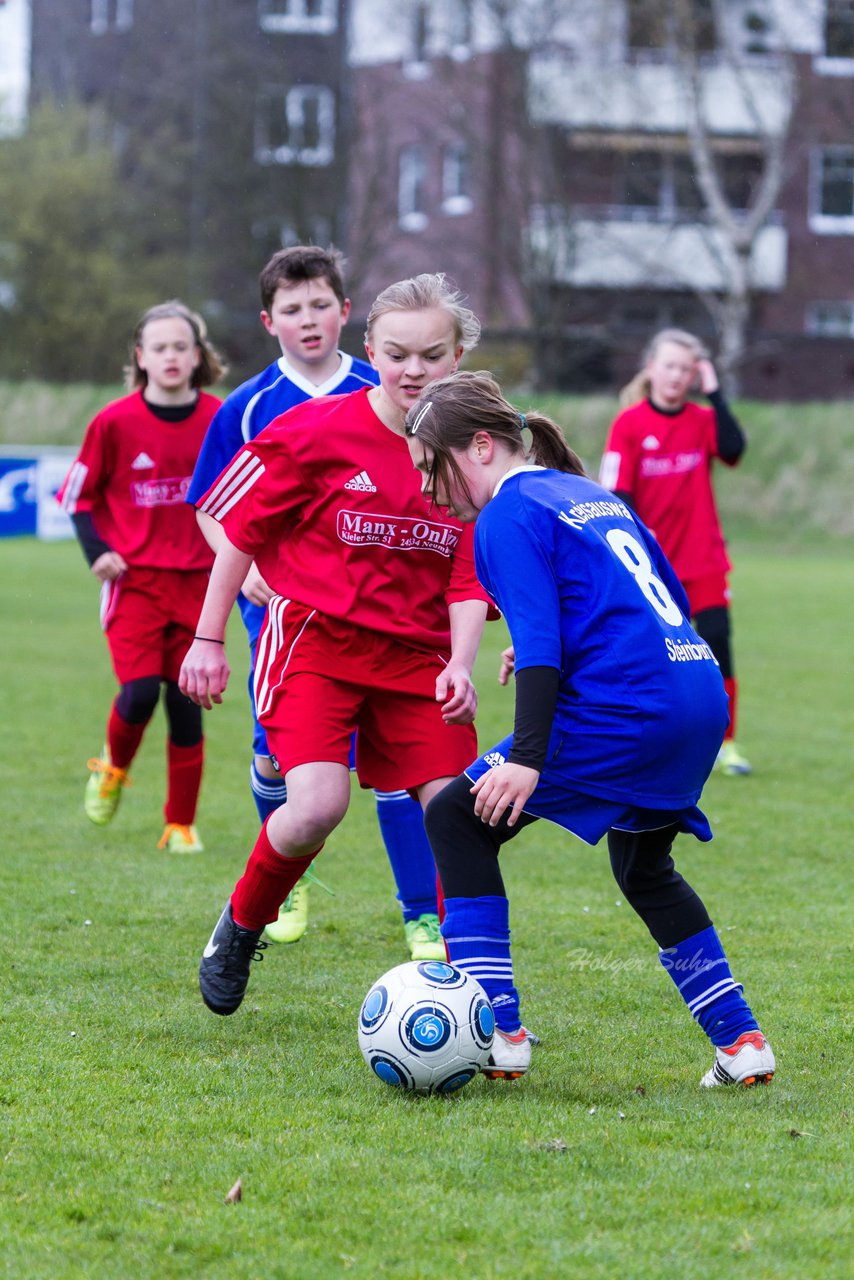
620 710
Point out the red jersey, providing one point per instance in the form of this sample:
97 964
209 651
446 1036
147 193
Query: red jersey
327 502
132 473
663 461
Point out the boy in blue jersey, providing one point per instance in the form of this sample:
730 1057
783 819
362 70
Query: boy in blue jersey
620 710
305 308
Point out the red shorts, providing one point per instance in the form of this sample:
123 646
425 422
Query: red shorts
318 678
150 616
710 592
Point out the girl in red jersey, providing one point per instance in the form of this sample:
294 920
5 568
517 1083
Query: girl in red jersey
658 459
126 496
376 617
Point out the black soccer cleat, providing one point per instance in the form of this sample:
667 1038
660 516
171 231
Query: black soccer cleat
226 961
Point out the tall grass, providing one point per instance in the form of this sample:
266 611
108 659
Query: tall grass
793 487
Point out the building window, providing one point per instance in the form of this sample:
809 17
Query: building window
839 29
110 15
319 17
831 319
416 65
420 32
650 25
740 175
460 29
832 191
280 231
297 127
456 179
665 183
411 193
660 185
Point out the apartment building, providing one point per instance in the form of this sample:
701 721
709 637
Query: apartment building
540 153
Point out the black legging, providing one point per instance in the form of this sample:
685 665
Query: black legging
713 626
466 852
137 700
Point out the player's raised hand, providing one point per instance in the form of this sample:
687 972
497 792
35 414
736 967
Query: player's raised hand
456 692
204 673
508 664
707 376
505 787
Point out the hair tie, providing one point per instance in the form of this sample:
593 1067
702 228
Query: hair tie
523 421
419 417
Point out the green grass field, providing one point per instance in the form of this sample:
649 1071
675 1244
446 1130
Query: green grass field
128 1111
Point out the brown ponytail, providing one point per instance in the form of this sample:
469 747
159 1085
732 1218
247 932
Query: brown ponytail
452 410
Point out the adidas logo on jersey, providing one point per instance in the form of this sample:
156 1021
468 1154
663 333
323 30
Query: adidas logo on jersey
492 758
362 482
651 442
141 461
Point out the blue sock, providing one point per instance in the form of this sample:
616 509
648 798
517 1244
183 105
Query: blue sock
401 822
701 972
477 931
268 793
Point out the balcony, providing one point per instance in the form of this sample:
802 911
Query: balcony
652 97
620 249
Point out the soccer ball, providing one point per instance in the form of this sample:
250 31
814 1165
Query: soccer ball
426 1027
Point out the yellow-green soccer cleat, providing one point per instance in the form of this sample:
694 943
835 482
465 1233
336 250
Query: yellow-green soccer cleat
104 789
731 762
293 915
424 938
179 838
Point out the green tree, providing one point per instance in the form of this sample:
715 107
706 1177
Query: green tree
73 282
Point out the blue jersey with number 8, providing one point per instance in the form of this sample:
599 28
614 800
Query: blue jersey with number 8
585 588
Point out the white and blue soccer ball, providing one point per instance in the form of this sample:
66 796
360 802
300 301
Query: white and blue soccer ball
426 1027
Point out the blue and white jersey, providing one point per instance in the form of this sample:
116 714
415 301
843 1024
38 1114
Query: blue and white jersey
585 588
251 408
254 405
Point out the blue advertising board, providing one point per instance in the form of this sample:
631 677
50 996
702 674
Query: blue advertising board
29 481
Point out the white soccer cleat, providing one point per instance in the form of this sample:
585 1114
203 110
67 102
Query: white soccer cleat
747 1062
510 1056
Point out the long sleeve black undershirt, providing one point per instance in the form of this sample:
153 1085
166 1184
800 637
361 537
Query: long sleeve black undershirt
536 698
91 544
732 441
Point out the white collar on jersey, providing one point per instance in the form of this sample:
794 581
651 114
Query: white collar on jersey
515 471
317 389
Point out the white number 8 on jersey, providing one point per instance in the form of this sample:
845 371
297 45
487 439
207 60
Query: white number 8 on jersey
632 555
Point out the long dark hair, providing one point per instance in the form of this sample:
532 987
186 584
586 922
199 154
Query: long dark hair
211 366
452 410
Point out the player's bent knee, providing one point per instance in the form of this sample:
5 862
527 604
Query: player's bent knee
137 700
301 828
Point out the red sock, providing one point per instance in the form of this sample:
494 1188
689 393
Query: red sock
440 906
123 739
266 882
184 765
731 686
440 899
